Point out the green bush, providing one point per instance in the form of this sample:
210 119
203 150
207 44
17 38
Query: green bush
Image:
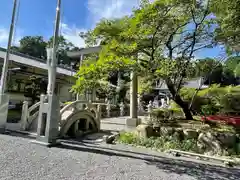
213 100
161 115
187 94
230 103
161 143
210 109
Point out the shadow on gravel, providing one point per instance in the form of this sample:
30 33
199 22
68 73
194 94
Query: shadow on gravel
181 167
17 134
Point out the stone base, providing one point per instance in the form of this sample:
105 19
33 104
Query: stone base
133 122
145 131
41 143
4 101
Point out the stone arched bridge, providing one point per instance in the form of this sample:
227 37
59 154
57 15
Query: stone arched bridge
76 118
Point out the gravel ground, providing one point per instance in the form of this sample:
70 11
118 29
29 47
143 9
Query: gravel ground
22 160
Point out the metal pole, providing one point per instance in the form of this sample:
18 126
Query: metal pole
5 64
55 46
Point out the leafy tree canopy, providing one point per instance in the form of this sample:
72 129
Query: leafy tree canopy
228 18
36 46
158 40
32 45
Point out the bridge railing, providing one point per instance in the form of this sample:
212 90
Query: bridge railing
30 113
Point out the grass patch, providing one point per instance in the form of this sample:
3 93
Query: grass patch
159 143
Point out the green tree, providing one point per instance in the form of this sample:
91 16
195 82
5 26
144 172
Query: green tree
63 47
228 20
237 71
36 46
166 33
232 62
210 69
33 46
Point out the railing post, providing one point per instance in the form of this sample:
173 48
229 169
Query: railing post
24 115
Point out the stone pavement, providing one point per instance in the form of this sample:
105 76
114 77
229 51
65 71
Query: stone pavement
117 124
74 160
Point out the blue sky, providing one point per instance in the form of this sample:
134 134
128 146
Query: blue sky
36 17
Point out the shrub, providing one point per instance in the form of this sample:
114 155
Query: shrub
210 109
187 94
230 101
128 138
160 143
213 100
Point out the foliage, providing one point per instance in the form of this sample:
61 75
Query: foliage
237 72
215 72
33 46
210 69
198 101
228 19
232 62
215 99
35 88
160 143
158 116
209 109
36 46
156 33
164 115
63 47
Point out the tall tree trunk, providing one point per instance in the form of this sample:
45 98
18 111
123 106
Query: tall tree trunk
178 99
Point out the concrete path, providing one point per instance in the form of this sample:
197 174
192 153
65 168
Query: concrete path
117 124
22 160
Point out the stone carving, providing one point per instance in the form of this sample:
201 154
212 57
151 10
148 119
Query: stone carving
150 106
163 103
24 115
108 109
145 131
122 107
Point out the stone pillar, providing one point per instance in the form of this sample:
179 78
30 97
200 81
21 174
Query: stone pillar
133 96
99 116
48 120
4 102
133 120
24 115
80 65
94 95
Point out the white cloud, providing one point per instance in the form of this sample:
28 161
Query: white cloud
99 9
3 37
71 33
4 33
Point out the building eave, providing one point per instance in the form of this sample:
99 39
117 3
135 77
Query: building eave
84 51
34 62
